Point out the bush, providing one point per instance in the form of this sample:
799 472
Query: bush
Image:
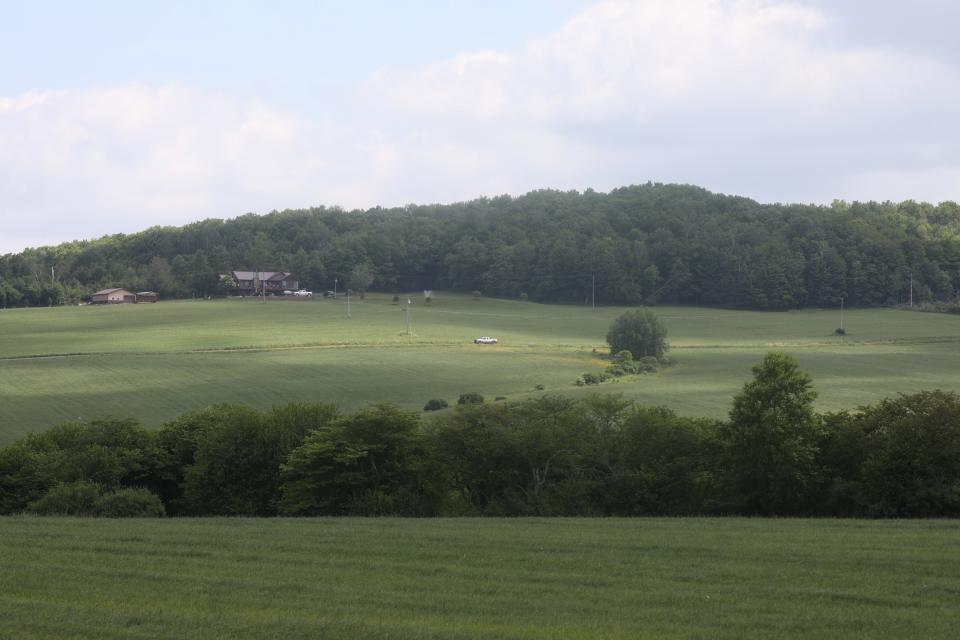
841 331
129 503
594 378
639 332
435 405
68 499
471 397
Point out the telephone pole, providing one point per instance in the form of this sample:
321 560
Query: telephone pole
348 304
593 291
407 314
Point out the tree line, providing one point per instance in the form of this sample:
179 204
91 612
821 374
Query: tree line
548 456
644 244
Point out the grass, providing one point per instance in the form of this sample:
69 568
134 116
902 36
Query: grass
154 362
478 578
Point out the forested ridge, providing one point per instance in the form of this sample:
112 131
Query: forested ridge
645 244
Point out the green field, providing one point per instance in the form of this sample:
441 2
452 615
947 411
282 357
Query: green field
154 362
478 578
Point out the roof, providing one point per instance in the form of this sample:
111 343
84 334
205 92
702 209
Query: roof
146 293
264 275
104 292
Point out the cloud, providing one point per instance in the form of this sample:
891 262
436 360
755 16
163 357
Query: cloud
718 93
103 160
752 97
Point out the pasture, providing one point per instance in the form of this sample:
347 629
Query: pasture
478 578
154 362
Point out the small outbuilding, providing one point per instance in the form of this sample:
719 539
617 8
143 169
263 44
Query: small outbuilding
113 296
147 296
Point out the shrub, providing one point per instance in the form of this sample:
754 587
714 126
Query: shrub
499 398
68 499
133 502
471 397
538 387
594 378
396 298
841 331
435 405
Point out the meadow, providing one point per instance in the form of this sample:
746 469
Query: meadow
478 578
154 362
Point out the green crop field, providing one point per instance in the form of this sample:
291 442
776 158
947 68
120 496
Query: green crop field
154 362
478 578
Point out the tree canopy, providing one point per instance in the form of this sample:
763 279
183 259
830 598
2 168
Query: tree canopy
771 438
640 332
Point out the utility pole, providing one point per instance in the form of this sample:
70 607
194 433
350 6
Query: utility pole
348 304
593 291
841 313
334 288
407 313
911 288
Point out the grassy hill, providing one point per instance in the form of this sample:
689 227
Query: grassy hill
154 362
478 578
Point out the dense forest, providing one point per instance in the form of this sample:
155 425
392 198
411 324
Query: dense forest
597 456
644 244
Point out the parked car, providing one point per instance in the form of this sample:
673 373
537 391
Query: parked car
485 340
303 293
329 294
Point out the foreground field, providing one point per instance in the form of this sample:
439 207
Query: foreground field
154 362
478 578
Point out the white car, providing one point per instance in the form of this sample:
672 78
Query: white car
485 340
302 293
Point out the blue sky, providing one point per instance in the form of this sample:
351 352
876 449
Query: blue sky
116 116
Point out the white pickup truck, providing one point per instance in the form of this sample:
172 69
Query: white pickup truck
303 293
485 340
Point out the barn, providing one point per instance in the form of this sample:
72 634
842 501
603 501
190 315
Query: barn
113 296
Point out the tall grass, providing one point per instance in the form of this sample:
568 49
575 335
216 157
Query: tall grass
487 578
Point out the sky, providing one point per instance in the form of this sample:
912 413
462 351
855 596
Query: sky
118 116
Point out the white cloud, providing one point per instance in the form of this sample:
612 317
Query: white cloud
79 164
717 93
748 97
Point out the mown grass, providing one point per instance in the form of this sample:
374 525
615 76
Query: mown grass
478 578
154 362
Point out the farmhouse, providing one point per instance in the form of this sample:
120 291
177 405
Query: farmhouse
269 282
147 296
113 296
